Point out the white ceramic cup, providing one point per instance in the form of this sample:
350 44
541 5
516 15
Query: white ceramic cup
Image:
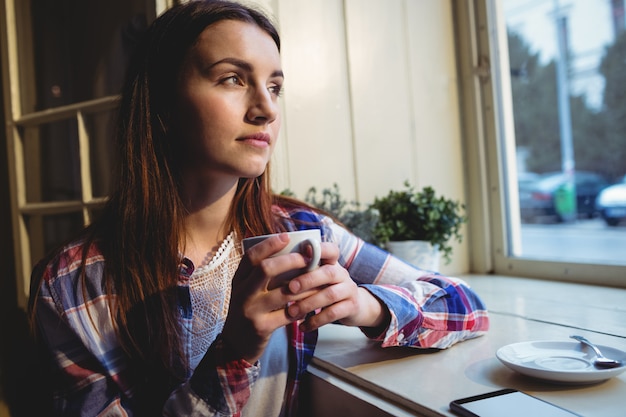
298 242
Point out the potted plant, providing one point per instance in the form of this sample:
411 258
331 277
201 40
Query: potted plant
362 222
407 216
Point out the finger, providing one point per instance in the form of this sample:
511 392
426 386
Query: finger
320 277
280 318
254 255
280 298
267 248
322 298
327 315
260 268
330 253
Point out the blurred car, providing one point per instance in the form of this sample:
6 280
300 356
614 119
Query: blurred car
525 179
537 198
611 203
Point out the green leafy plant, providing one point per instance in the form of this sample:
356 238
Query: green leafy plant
419 215
361 222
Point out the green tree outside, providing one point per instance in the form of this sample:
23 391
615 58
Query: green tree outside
599 136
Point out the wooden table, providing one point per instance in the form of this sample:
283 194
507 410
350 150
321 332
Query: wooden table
352 375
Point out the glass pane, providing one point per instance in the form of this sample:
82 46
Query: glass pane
47 232
51 162
100 130
81 48
567 78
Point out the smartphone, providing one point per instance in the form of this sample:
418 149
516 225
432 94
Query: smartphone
507 402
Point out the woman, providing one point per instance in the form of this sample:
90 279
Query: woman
154 310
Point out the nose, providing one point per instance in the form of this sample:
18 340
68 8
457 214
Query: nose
263 107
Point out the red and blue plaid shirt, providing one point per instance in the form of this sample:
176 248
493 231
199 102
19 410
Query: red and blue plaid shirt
427 311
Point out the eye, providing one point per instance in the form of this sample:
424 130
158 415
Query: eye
276 90
232 80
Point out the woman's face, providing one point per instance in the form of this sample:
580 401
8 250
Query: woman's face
227 114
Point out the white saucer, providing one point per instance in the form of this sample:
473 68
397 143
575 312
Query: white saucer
560 361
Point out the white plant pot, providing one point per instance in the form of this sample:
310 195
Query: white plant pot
420 253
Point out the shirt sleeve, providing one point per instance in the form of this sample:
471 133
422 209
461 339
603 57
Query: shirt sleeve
84 377
428 310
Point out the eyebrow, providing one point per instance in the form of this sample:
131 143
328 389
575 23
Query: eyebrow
244 66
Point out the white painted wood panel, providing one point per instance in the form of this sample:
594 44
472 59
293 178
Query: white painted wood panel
317 144
435 85
381 99
371 99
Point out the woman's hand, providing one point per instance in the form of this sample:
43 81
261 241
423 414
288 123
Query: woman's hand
257 306
331 289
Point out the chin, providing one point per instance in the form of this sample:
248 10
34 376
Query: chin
249 173
254 169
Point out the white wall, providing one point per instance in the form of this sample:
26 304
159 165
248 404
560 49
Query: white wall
371 99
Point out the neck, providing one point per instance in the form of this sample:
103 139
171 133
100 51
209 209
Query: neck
208 209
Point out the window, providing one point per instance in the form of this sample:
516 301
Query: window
65 62
547 80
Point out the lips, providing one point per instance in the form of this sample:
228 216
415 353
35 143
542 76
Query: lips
258 137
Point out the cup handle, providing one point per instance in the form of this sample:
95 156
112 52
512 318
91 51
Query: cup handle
316 254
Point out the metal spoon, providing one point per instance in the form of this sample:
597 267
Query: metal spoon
601 361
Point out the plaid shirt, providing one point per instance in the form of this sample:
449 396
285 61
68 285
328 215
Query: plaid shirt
427 311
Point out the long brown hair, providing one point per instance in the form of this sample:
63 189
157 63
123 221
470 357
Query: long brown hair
141 228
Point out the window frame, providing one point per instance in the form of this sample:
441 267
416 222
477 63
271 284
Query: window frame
17 86
489 147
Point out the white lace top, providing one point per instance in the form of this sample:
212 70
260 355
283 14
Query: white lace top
210 288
